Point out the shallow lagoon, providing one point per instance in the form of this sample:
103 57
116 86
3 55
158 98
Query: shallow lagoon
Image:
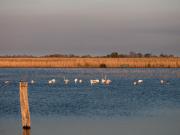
118 108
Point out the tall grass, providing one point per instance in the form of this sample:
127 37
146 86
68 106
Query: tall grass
90 62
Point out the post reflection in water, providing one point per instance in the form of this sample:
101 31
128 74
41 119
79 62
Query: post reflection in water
26 132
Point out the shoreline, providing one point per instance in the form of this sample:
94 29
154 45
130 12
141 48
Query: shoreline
89 62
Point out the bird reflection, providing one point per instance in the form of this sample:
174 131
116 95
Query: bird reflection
26 132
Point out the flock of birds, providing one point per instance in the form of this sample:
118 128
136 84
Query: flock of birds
138 82
104 80
76 80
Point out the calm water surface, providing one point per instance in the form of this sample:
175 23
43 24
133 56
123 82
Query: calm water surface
120 107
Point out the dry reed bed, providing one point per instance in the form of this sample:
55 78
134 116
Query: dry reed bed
89 62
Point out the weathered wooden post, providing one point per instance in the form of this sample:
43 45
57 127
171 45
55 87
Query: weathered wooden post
25 114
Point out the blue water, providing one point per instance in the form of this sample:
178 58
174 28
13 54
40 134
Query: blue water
119 99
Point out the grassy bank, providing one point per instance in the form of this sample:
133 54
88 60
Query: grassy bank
90 62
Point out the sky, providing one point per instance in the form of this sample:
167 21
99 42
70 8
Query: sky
96 27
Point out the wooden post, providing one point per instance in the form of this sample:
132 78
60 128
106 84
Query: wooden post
25 114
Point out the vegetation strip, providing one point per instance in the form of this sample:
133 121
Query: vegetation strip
171 62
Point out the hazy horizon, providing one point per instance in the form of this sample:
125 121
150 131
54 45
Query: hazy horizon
96 27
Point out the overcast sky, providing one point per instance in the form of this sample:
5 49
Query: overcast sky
95 27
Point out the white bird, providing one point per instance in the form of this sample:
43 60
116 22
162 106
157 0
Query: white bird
52 81
140 81
135 83
107 81
164 82
94 81
80 81
32 81
6 82
75 80
66 81
103 80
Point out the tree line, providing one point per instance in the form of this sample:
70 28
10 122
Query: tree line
137 55
111 55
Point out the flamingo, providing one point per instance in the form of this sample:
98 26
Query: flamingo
80 81
32 81
66 81
105 81
52 81
164 82
6 82
138 82
135 83
94 81
75 80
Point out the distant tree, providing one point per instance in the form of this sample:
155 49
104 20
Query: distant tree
73 56
114 55
171 55
86 56
147 55
163 55
139 55
122 56
132 54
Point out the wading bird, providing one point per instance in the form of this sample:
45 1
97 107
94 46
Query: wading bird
66 81
96 81
52 81
32 81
